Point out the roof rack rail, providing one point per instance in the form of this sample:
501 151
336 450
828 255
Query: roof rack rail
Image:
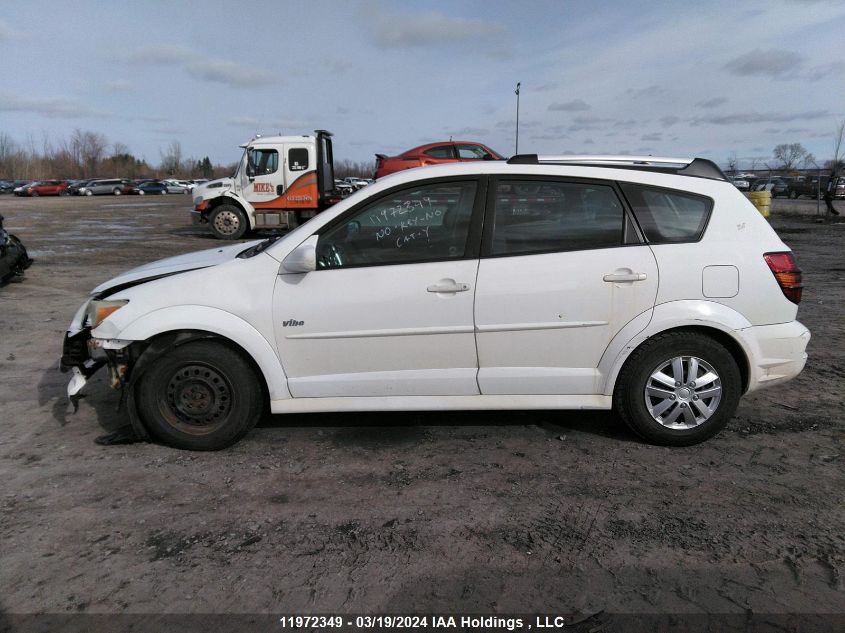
695 167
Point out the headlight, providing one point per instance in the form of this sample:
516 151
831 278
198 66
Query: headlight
98 311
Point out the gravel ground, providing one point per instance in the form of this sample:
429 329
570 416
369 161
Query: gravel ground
463 512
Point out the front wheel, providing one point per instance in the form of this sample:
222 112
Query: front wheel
200 396
228 222
89 192
116 191
678 389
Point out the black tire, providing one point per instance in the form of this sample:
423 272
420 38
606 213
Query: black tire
200 396
632 404
116 191
228 222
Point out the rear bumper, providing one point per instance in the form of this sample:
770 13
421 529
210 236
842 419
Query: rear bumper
777 352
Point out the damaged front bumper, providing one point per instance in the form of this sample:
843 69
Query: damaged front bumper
83 355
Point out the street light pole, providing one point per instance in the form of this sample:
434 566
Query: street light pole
516 149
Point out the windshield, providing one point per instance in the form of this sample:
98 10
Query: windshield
240 164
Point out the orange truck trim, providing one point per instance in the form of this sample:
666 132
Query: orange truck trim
302 194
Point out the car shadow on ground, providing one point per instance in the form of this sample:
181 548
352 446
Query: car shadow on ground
379 427
392 427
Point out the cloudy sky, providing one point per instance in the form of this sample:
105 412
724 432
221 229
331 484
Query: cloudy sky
663 78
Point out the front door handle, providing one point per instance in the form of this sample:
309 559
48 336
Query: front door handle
448 285
617 277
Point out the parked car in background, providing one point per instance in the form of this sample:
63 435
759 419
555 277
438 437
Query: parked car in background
357 183
434 154
75 185
47 188
343 187
777 185
149 187
6 186
20 189
596 283
741 183
112 186
173 186
809 186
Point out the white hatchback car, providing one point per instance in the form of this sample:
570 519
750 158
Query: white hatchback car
650 286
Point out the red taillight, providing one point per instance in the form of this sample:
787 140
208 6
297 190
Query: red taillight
787 273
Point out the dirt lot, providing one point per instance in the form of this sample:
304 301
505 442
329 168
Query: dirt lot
462 512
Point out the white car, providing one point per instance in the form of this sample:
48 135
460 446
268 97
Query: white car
649 286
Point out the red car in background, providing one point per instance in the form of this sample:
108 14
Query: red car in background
47 188
434 154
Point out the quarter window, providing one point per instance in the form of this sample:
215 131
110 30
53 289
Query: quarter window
542 217
471 152
427 223
667 216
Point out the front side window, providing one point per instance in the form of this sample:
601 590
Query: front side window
543 217
263 162
444 151
667 216
425 223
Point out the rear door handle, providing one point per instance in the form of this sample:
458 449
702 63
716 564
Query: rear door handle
616 277
448 285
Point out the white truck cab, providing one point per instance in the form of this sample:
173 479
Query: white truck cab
280 182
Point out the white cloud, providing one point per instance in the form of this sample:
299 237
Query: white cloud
54 107
119 86
423 29
764 63
159 55
761 117
576 105
230 73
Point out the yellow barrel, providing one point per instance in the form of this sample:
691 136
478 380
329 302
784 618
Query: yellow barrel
762 200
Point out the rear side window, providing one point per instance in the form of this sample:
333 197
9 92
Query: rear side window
444 151
543 217
667 216
298 158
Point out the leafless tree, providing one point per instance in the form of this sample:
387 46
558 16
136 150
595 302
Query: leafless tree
733 162
789 155
171 158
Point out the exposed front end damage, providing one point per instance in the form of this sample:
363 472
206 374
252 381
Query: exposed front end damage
127 361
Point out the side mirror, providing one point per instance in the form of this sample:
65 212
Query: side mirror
303 259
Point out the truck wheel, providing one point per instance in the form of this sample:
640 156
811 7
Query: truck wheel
200 396
228 222
678 389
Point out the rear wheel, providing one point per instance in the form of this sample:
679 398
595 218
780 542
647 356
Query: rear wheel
200 396
228 222
678 389
116 191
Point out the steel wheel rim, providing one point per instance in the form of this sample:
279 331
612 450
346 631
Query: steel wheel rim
683 392
227 222
197 399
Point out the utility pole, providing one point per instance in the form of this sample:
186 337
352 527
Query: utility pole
516 149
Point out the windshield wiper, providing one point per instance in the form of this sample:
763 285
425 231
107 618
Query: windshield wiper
262 246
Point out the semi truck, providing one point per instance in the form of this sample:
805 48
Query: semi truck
280 182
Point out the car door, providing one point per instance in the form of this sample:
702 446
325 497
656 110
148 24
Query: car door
264 175
389 310
563 269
